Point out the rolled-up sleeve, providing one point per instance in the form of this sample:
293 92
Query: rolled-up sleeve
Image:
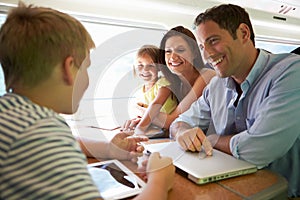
198 114
272 124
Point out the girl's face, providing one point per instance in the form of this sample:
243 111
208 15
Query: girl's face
178 55
146 68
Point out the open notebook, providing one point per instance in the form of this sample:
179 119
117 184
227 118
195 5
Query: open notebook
203 169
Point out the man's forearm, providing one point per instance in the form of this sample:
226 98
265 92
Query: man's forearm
221 143
178 127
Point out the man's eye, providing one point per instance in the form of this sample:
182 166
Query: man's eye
213 41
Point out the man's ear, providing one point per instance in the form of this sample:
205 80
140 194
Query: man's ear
68 66
245 31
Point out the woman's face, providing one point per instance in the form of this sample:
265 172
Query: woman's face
178 55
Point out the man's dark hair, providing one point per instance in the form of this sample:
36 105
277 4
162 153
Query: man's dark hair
228 17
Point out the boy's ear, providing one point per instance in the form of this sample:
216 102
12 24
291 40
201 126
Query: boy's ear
68 70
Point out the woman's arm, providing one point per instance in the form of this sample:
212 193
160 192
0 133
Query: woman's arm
163 120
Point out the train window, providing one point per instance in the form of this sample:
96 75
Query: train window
112 83
276 46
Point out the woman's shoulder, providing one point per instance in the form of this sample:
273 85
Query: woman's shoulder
206 74
207 70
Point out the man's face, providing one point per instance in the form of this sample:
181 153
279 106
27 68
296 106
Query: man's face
219 48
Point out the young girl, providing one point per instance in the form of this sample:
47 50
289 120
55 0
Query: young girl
156 93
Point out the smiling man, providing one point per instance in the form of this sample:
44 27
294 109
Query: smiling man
253 103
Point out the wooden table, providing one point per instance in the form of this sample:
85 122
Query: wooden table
263 185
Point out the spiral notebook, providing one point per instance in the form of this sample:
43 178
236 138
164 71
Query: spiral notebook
201 169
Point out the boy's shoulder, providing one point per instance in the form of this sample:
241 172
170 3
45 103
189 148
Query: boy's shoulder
13 102
18 112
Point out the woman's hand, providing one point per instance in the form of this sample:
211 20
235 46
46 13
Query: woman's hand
130 124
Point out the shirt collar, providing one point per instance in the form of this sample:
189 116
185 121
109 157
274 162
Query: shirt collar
256 70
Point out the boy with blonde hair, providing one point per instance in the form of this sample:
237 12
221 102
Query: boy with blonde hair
45 55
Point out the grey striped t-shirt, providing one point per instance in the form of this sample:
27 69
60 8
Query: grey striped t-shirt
39 157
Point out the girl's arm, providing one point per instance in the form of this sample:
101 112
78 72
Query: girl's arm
164 120
153 110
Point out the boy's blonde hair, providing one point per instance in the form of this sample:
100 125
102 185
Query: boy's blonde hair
35 39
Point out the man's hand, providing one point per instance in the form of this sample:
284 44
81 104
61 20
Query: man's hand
193 140
178 127
126 147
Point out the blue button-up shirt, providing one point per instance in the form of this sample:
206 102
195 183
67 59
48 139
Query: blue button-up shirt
266 120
